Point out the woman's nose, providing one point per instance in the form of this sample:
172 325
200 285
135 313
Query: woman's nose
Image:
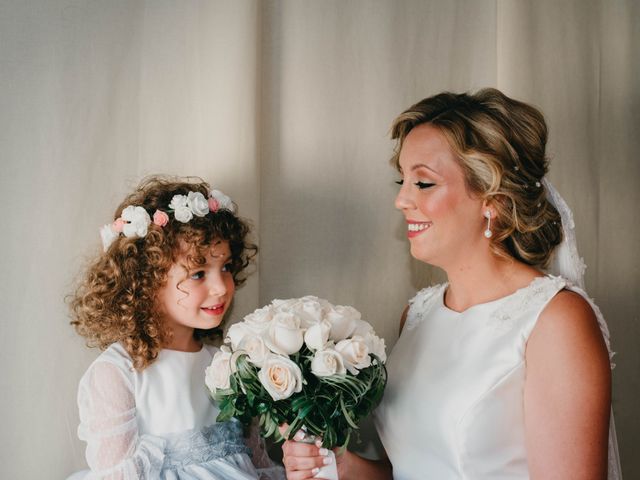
403 199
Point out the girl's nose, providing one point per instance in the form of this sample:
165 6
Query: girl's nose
217 286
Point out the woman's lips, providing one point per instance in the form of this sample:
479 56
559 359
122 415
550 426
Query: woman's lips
214 309
416 228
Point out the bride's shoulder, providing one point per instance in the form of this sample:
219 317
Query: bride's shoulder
568 328
426 295
419 305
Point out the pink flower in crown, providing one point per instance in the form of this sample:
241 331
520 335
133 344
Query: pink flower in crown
117 225
160 218
213 205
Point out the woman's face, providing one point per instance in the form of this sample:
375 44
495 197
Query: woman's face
445 223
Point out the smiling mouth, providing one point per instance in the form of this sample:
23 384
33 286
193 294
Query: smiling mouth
416 228
214 309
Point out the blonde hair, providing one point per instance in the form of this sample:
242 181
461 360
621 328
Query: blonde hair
116 300
500 144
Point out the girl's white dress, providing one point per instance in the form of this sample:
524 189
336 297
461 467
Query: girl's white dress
160 423
453 405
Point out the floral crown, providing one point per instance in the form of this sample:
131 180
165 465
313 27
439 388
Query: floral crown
134 221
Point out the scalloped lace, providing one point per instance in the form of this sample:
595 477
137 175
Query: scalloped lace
421 304
201 446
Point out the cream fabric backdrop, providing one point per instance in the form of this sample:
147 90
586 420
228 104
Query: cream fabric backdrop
286 105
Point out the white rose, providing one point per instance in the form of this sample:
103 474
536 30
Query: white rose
326 363
136 221
216 375
343 322
317 335
311 311
280 377
258 321
362 328
183 214
235 334
198 204
284 335
223 200
355 354
280 305
108 236
376 346
255 348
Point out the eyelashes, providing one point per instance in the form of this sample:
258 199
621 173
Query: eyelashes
420 185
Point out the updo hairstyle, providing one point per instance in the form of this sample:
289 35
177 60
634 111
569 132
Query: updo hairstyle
116 300
500 144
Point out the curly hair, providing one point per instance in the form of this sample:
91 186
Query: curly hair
116 301
500 144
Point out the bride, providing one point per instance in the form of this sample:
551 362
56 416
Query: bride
504 371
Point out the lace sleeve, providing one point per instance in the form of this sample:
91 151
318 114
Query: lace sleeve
267 468
115 451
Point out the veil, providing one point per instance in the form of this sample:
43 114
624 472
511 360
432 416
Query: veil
568 264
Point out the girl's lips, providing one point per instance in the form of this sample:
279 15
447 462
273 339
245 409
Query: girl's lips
416 228
214 310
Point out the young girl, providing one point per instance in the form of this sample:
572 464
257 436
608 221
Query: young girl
172 260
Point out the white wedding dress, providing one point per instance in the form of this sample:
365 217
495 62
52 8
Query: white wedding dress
453 406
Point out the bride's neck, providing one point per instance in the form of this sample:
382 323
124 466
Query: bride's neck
485 279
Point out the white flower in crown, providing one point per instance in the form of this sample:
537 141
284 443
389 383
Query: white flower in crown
221 200
136 221
108 235
181 210
198 204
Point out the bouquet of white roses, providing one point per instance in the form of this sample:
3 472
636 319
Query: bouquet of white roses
303 362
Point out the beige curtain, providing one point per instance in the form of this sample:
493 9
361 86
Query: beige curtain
286 106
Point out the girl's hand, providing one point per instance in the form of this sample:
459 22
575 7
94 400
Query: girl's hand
302 460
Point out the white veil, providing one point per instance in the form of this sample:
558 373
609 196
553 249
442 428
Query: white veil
568 264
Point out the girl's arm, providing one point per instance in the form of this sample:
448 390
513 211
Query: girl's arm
567 396
300 459
108 424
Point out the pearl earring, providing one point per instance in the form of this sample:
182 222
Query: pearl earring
488 233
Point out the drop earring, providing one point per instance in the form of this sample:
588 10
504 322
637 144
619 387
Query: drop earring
488 233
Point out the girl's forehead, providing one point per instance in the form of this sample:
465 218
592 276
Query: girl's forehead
217 249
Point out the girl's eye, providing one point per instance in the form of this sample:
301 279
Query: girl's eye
197 275
228 267
423 185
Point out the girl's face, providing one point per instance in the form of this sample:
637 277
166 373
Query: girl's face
444 222
200 296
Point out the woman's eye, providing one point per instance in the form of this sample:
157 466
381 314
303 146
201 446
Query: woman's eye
400 182
197 275
423 185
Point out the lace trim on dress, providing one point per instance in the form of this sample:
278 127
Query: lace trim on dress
204 445
503 318
420 305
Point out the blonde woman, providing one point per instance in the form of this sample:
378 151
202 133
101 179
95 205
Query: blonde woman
503 371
